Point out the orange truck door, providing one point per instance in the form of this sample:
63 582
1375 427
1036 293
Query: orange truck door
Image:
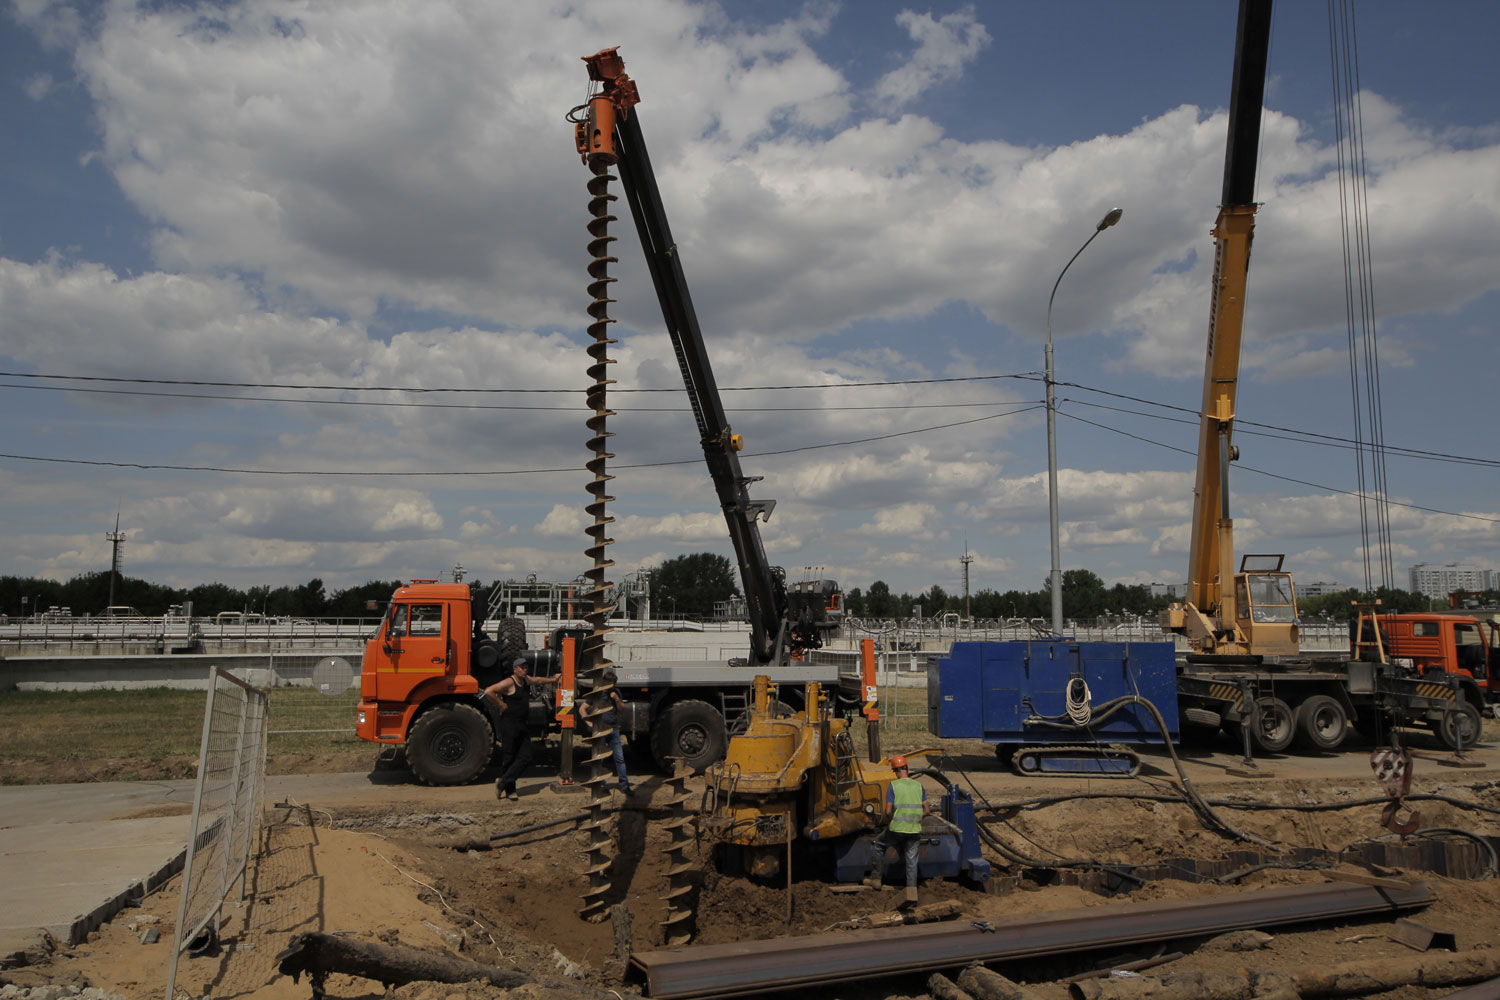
417 639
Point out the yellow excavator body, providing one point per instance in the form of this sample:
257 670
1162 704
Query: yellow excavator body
792 775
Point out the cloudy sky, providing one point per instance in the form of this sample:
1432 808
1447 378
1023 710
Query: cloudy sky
238 238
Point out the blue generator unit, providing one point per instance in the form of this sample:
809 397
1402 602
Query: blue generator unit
1054 706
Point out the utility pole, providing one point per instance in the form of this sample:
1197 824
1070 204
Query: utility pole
966 560
116 539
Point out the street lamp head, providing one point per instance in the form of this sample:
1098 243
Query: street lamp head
1109 219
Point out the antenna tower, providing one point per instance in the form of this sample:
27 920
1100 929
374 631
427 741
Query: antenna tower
116 539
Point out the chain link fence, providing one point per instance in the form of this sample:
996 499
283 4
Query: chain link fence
313 700
226 810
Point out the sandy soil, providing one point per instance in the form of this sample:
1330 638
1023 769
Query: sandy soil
391 871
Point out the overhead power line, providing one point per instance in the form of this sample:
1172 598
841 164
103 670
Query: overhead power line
424 389
572 408
1274 475
492 472
1284 433
1425 454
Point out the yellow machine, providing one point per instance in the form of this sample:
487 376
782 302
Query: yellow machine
790 776
1252 612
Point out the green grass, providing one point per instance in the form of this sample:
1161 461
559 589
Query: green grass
155 723
903 716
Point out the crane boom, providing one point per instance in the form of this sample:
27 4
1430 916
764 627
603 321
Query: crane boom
1257 615
609 131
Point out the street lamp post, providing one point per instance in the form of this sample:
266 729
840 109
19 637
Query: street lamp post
1110 218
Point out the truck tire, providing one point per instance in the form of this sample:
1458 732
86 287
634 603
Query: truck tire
1275 725
1464 721
510 637
449 744
1322 723
692 730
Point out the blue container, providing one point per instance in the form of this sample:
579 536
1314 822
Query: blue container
997 691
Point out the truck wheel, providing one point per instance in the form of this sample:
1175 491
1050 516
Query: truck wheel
692 730
1463 721
1275 727
449 745
1322 723
510 637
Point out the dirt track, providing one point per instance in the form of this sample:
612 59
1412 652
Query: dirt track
380 861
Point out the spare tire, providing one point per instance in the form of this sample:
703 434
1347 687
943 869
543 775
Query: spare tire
510 639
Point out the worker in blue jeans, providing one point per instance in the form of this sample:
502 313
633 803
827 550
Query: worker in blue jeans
905 805
610 716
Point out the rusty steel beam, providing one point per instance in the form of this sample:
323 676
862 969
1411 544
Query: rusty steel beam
1479 991
748 967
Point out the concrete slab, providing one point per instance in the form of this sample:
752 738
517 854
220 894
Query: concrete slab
35 805
69 878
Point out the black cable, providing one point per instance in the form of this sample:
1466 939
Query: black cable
1295 436
570 408
411 388
499 472
1250 804
1273 475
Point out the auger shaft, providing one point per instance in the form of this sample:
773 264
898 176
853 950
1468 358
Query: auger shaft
591 654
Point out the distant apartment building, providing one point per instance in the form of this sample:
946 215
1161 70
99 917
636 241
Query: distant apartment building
1177 591
1318 588
1439 581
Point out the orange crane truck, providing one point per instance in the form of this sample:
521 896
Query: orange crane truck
1245 670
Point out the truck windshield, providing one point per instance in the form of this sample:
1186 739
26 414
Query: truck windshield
1271 597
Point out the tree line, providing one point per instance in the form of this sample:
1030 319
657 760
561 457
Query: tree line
688 586
88 594
691 585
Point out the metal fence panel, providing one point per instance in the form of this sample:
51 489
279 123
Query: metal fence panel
226 807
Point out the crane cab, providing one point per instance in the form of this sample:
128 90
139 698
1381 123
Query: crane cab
1265 605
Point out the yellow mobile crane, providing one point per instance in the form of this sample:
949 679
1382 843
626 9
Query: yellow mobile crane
1256 614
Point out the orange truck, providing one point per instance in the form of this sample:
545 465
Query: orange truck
421 682
1430 642
428 662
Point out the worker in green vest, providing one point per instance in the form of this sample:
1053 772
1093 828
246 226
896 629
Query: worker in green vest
905 805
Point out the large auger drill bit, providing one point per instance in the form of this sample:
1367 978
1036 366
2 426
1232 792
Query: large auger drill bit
677 927
597 828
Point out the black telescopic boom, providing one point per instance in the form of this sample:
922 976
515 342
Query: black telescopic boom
1252 43
764 600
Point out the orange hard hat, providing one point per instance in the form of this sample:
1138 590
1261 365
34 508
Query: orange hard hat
898 761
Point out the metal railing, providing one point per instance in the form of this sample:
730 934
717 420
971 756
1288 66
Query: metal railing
226 810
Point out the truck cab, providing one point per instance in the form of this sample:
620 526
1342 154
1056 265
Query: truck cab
425 669
1439 643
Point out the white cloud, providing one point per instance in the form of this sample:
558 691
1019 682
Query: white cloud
370 194
911 520
944 46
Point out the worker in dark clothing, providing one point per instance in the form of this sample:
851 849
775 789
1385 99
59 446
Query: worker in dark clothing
609 716
905 805
514 695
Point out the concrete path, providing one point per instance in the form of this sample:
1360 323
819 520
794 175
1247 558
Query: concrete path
68 878
72 856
